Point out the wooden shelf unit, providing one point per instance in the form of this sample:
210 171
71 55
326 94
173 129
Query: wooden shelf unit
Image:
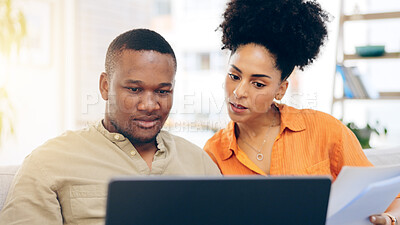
387 55
367 99
341 57
371 16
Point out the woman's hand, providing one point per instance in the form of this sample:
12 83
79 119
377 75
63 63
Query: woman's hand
383 218
380 219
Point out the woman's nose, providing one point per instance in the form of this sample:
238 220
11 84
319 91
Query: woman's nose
240 90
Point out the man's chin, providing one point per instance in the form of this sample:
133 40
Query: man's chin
140 135
142 138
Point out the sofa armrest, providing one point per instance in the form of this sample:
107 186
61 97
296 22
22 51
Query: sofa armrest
7 174
383 156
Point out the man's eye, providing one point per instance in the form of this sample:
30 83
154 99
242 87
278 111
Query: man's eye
233 76
164 92
135 90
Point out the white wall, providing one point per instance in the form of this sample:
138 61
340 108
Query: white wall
34 81
63 94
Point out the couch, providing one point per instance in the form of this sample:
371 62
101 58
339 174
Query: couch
6 175
383 156
378 157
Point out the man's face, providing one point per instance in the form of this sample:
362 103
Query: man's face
138 94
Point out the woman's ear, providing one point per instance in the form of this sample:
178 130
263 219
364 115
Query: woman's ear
104 85
281 90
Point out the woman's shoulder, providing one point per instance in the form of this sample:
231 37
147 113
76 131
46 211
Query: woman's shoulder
312 117
312 114
325 119
318 115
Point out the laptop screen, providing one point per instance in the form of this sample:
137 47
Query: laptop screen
156 200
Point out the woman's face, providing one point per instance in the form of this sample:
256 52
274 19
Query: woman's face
252 83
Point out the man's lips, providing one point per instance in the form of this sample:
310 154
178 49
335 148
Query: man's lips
147 122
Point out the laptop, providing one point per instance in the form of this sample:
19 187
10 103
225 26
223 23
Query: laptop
246 200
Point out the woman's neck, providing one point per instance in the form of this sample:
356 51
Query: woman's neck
252 130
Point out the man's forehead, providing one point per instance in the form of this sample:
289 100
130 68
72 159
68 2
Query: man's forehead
166 83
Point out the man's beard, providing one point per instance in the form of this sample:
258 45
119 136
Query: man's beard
129 133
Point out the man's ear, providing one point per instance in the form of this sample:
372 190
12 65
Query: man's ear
104 85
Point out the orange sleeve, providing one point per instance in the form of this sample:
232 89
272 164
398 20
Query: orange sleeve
348 151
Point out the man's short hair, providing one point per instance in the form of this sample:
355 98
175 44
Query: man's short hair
138 40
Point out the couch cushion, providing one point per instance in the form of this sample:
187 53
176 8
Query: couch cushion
383 156
6 176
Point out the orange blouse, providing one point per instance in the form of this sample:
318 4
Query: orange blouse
309 143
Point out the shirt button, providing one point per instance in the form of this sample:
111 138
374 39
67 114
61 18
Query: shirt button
116 137
133 152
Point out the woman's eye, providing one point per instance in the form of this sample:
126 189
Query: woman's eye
258 85
233 76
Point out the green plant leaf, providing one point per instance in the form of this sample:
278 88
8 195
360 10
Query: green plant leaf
13 30
1 126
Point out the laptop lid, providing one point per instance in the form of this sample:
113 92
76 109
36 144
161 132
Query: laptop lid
157 200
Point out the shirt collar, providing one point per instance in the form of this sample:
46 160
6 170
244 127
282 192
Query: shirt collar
290 118
119 138
113 137
229 140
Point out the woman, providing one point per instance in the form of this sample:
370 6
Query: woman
267 40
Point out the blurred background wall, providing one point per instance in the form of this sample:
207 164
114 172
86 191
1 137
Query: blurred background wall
52 82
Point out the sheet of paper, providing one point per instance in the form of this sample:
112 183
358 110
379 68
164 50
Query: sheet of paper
373 199
353 180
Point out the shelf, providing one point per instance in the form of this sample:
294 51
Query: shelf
365 99
372 16
387 55
390 95
342 58
381 98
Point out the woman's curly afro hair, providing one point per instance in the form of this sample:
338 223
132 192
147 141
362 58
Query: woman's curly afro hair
292 30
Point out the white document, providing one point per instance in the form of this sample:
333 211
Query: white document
359 192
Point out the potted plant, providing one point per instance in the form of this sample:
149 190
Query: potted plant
364 134
12 33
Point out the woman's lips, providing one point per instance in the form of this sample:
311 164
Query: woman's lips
237 108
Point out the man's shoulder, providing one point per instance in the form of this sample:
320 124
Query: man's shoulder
193 159
69 140
69 135
179 142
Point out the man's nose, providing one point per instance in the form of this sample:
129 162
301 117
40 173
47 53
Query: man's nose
149 102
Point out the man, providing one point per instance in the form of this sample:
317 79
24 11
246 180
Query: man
64 181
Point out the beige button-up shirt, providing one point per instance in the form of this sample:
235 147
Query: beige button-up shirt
64 181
